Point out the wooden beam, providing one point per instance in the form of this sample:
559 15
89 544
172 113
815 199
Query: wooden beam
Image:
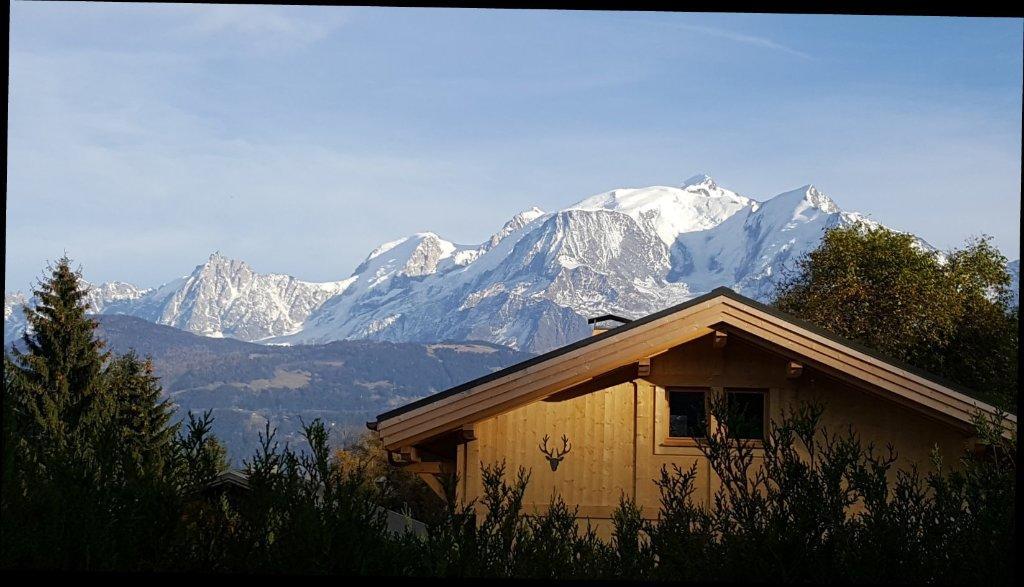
794 370
467 433
431 467
607 379
721 337
433 483
410 454
643 367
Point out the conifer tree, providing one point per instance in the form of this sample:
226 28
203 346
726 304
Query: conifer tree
141 419
56 384
89 441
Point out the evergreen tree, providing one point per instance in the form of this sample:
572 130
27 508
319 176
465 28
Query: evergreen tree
56 384
84 480
141 423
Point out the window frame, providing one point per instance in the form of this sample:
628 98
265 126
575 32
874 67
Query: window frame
670 440
765 393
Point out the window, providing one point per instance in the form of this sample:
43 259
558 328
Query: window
687 414
746 414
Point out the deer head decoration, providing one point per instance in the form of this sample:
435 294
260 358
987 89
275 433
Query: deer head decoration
554 455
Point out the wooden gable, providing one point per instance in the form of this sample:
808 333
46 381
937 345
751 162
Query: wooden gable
624 352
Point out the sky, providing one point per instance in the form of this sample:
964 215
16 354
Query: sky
143 137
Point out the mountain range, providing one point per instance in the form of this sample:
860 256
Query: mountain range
531 285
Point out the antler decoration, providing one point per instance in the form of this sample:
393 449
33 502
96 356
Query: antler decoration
553 455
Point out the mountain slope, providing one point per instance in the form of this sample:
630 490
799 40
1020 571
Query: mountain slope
346 383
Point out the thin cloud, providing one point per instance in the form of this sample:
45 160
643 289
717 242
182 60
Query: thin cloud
260 27
747 39
756 41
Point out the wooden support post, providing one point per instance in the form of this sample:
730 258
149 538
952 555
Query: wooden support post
794 370
721 337
467 433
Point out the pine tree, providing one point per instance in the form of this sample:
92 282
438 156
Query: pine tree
85 483
141 418
56 384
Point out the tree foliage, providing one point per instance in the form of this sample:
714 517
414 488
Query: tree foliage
86 442
948 314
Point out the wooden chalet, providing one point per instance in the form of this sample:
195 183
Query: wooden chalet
598 418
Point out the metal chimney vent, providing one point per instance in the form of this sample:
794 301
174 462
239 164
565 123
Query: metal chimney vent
606 322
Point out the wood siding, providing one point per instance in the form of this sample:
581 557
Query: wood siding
618 433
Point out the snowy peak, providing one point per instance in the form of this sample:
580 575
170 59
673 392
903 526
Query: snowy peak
801 205
13 302
430 250
517 222
14 318
220 266
701 180
226 297
670 211
820 201
596 239
106 295
419 255
220 297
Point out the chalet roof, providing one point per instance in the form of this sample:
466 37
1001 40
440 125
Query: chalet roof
755 315
229 478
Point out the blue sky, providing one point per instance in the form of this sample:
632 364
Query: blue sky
143 137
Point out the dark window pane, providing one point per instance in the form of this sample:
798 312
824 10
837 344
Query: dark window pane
687 417
746 415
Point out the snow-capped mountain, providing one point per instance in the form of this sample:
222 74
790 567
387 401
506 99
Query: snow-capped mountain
220 298
109 296
14 318
225 297
531 285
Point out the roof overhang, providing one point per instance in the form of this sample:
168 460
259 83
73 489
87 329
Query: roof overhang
722 309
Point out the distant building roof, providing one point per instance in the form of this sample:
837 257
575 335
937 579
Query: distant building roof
238 480
229 478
